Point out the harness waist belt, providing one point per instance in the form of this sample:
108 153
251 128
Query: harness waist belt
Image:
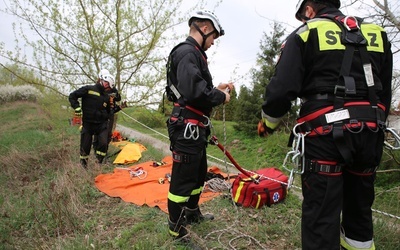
331 97
322 166
188 112
358 112
180 158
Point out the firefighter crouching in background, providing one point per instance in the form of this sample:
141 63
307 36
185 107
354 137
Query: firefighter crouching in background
95 110
341 68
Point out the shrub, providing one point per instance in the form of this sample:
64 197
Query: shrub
10 93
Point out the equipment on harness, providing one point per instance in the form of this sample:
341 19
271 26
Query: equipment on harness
321 122
189 119
172 92
347 112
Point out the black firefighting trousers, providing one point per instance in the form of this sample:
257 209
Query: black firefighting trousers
101 132
327 195
189 169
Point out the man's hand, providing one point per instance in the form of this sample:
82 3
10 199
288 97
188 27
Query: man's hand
78 111
226 88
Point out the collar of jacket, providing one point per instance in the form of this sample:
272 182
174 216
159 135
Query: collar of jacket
329 10
194 42
100 88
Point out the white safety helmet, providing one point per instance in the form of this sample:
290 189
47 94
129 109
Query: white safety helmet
208 15
106 76
300 3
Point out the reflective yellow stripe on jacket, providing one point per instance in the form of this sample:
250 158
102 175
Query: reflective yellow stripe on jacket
329 35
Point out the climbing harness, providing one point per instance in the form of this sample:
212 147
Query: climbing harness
189 117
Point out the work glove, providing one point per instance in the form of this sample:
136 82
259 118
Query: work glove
78 111
262 129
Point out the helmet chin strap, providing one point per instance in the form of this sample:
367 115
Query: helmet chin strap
205 36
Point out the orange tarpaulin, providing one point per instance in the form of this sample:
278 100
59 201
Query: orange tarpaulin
139 184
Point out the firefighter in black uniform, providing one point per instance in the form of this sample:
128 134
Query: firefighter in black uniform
190 87
115 97
95 110
341 68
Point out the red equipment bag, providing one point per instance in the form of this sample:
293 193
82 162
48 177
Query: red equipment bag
266 187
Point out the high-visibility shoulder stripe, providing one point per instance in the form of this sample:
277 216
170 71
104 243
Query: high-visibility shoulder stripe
329 35
303 33
373 34
92 92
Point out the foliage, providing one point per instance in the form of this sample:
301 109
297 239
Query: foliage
250 100
152 119
126 37
10 93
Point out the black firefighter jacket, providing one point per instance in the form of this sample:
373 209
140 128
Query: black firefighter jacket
95 103
310 64
194 81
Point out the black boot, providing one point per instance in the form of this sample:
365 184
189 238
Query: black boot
180 233
99 159
84 163
177 229
195 216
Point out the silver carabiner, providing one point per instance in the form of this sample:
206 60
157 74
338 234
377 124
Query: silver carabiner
208 121
396 139
191 131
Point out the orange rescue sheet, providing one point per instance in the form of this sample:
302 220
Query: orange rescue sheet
139 184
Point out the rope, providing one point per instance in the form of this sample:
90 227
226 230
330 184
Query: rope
233 235
138 172
217 185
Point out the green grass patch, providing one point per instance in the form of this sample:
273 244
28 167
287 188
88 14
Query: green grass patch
47 201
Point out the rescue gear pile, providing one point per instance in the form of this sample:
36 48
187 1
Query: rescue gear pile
124 183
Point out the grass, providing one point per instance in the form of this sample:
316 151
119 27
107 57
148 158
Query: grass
48 202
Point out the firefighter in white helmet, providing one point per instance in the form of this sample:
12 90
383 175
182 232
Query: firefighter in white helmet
95 109
341 68
190 87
